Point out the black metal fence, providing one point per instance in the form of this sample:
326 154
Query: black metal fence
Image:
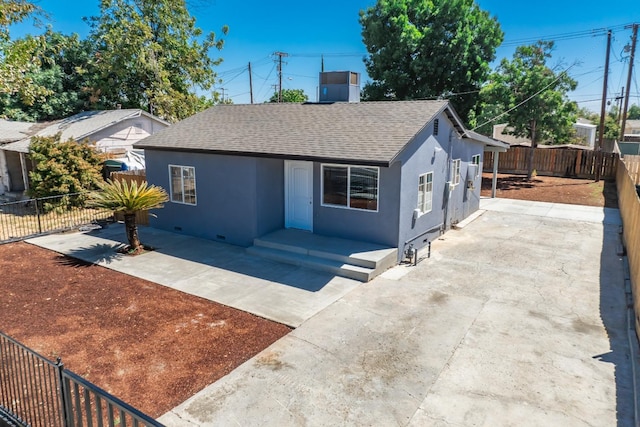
35 391
32 217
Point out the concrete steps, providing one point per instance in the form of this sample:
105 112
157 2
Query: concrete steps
356 260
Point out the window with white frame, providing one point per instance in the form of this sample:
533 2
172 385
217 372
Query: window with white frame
183 184
425 192
475 160
352 187
455 172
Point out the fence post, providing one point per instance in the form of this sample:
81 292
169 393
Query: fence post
38 216
63 393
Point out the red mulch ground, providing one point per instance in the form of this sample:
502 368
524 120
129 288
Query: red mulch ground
149 345
553 189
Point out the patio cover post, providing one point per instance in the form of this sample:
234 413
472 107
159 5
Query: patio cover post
494 181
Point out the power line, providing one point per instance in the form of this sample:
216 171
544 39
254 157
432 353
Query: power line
595 32
526 100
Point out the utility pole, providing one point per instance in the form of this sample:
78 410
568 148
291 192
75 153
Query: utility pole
322 63
603 107
250 84
280 55
634 39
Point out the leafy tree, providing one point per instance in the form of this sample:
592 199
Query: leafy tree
119 196
428 48
18 58
63 167
151 55
532 97
290 95
65 71
633 113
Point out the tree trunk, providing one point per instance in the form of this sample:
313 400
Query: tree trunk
132 231
532 150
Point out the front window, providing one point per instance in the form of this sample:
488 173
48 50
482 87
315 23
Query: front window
455 172
425 192
354 187
183 184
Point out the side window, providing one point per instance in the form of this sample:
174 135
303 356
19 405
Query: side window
425 192
475 160
436 125
455 172
182 180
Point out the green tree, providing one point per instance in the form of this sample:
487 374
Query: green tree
531 97
428 48
633 113
65 72
151 55
119 196
290 95
63 167
18 58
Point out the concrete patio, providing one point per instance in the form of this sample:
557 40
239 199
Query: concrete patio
518 318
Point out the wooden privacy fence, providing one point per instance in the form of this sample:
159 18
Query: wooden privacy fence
629 205
633 167
138 176
554 162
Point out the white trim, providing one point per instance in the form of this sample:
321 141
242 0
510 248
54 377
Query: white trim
455 172
195 191
327 205
478 163
308 225
425 192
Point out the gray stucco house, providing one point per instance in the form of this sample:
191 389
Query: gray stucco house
396 174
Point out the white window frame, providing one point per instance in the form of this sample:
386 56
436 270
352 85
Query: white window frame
328 205
455 172
182 192
425 191
475 160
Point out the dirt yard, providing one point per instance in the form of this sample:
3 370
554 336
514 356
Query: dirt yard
552 189
151 346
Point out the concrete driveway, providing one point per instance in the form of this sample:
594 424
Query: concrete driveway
517 319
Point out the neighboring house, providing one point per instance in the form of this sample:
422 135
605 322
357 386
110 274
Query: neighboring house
632 128
113 131
585 132
391 173
12 131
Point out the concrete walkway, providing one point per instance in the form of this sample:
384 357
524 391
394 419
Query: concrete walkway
216 271
519 318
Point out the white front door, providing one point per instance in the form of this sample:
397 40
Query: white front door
298 209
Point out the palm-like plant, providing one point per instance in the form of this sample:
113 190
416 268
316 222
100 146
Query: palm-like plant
129 198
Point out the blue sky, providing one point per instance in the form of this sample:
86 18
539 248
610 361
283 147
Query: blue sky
305 30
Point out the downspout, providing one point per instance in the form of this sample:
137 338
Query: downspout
448 182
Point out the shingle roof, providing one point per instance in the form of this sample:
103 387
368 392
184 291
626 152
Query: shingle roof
80 126
11 131
366 132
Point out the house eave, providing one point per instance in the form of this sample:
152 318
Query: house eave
320 159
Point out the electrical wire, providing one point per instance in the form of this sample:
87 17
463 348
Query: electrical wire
526 100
